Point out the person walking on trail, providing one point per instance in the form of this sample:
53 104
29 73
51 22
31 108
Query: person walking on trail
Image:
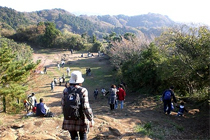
103 91
78 126
45 70
68 71
166 97
60 81
95 93
62 63
52 85
55 81
121 96
113 96
58 65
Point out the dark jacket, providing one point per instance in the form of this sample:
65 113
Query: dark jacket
40 110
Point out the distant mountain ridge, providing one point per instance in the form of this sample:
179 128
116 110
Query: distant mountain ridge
99 25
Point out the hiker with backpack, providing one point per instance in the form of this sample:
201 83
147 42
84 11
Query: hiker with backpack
78 115
166 98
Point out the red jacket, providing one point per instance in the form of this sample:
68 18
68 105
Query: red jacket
121 94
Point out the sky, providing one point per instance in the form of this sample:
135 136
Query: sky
185 11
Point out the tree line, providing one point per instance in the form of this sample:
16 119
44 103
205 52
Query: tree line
178 57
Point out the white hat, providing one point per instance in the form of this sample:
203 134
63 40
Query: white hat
76 77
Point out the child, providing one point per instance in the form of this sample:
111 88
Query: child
181 109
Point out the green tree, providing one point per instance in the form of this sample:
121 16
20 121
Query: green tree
13 74
141 71
97 46
187 52
51 33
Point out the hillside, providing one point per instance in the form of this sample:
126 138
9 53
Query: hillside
141 112
99 25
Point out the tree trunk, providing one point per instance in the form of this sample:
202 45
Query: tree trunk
4 104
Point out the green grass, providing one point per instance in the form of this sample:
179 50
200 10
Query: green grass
145 129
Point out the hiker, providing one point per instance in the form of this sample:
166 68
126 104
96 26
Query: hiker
103 92
63 78
113 96
166 97
52 85
95 93
58 65
181 109
60 81
45 70
78 125
88 71
82 55
55 81
120 96
62 63
71 50
68 71
32 101
42 110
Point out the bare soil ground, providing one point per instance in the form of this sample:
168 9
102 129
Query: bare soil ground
118 124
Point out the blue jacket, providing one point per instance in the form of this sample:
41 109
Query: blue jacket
40 110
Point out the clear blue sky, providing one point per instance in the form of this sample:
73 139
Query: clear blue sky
187 11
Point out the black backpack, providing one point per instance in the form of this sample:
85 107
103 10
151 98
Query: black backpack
73 102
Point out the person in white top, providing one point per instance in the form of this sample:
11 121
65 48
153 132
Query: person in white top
68 71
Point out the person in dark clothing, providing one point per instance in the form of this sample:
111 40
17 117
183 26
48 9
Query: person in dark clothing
45 70
95 93
166 97
41 108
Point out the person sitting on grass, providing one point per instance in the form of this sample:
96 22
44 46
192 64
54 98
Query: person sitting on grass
42 110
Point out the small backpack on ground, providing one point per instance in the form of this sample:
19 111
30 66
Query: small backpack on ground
50 114
167 95
73 101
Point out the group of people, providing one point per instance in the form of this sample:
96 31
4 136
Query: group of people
167 96
117 96
88 71
61 64
39 109
80 127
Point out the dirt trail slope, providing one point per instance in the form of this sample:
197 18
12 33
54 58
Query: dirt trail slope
118 124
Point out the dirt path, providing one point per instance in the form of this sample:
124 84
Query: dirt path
118 124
